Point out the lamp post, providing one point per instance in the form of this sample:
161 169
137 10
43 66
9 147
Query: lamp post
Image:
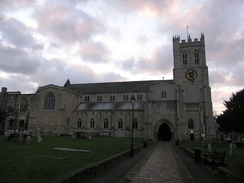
132 148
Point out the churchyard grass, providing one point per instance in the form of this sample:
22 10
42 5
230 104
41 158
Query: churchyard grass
235 162
37 162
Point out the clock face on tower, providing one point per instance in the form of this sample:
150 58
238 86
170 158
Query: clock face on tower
191 74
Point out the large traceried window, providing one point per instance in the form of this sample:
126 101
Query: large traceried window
49 101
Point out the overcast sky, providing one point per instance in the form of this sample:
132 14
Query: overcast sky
49 41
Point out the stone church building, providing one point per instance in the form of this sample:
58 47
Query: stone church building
163 110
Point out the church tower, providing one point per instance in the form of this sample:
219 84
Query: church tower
191 75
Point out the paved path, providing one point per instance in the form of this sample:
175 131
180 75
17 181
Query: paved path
161 162
161 165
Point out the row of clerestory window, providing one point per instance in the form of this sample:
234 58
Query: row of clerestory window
185 60
49 103
106 123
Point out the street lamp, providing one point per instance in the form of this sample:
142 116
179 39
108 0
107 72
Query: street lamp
133 104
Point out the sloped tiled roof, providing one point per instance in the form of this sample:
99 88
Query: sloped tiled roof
109 106
114 87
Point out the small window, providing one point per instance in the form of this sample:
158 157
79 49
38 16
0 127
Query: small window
79 123
196 56
126 98
190 124
120 124
105 123
135 124
139 97
112 98
184 57
49 101
87 98
92 123
164 94
99 98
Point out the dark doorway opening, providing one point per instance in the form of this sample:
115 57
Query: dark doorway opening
192 137
164 133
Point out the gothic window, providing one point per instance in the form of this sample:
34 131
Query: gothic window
23 105
196 57
49 101
120 124
105 123
92 123
184 57
190 124
163 94
79 123
21 124
11 123
135 124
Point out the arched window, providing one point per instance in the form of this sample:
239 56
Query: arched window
92 123
184 57
135 124
120 123
196 57
190 124
49 101
105 123
79 123
21 124
23 105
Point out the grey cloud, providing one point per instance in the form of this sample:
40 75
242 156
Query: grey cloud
17 61
67 23
94 52
16 33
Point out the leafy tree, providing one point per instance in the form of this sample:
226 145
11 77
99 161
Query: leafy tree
232 119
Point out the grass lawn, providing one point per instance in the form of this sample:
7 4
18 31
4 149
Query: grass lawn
236 161
38 163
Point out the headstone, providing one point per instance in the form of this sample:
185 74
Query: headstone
231 149
209 147
28 139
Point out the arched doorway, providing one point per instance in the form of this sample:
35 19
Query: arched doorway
164 133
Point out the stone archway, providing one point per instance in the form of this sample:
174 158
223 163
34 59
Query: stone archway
164 133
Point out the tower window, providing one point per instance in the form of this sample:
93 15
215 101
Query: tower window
196 57
49 101
163 94
184 57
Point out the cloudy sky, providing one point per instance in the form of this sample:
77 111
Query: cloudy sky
49 41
